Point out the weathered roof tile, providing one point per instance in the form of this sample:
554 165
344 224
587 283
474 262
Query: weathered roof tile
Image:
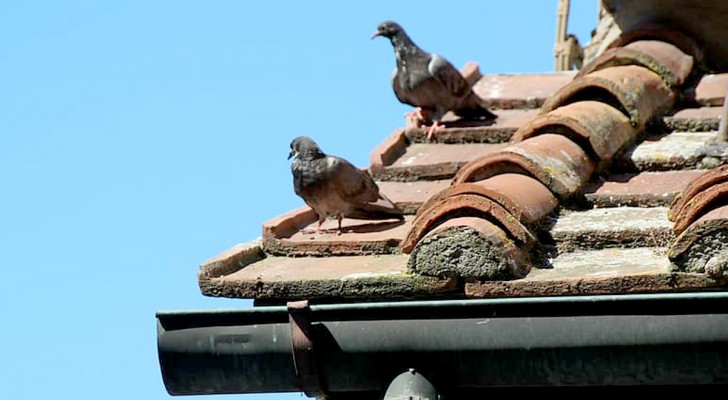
296 234
554 160
600 129
591 272
457 131
694 119
634 90
662 58
433 161
678 150
642 189
508 91
711 89
508 214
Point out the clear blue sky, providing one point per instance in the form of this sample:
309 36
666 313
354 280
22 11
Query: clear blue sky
139 138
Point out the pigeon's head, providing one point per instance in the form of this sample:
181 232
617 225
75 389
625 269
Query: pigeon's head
305 147
388 29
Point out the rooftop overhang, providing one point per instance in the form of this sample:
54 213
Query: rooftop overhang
473 345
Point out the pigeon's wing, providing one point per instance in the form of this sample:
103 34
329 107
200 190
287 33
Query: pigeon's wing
443 71
352 184
361 192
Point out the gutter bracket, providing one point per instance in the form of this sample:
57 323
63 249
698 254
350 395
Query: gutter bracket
304 354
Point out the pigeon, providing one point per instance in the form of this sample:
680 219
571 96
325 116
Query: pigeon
332 186
428 81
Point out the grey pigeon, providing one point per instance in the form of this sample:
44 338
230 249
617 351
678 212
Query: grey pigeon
334 187
428 81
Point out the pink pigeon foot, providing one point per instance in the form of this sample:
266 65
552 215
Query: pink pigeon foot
433 129
312 231
415 118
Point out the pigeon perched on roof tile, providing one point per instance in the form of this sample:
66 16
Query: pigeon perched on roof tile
428 81
334 187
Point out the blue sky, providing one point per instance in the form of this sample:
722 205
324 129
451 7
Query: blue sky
140 138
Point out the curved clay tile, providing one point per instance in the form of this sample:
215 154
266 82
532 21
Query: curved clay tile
556 161
585 122
465 205
699 204
477 188
700 214
533 198
524 197
703 182
662 58
703 246
636 91
469 248
599 128
685 43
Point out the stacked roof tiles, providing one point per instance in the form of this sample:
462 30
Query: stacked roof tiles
608 181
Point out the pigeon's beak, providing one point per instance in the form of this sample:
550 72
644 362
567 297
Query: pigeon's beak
377 33
291 154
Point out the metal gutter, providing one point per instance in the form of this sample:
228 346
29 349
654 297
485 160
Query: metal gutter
656 339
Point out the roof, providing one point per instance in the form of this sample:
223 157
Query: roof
607 181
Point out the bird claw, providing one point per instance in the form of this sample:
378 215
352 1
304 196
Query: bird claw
415 118
415 114
432 129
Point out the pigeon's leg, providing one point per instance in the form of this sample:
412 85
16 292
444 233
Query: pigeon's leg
340 217
434 128
317 230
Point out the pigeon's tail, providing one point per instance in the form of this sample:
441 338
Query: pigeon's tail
383 208
474 108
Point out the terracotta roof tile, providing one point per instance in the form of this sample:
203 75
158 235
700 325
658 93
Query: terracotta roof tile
653 31
554 160
409 196
662 58
609 271
703 246
465 204
600 129
344 277
644 189
678 150
700 204
295 234
702 183
524 197
433 161
470 248
491 214
520 90
712 89
612 227
457 131
617 87
694 119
